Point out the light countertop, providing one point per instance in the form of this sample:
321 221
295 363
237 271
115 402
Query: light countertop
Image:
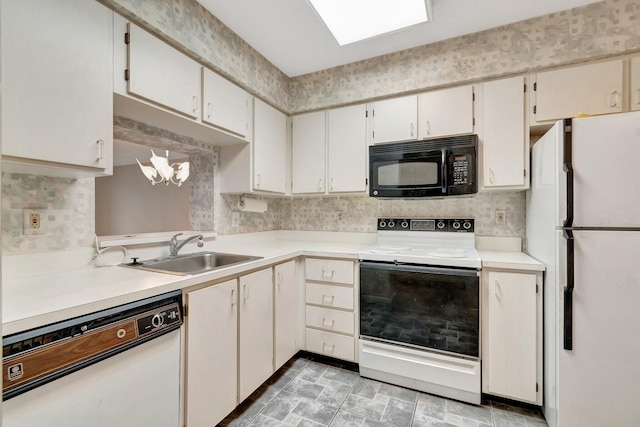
51 293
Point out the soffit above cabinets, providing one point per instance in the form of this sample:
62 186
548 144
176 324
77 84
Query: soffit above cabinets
290 34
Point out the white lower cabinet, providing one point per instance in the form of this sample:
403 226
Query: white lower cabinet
212 353
255 331
286 342
634 89
512 334
330 308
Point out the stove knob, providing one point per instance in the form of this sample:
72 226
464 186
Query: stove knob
383 224
441 225
456 225
392 224
404 224
466 225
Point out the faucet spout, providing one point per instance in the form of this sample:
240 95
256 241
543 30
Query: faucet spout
174 246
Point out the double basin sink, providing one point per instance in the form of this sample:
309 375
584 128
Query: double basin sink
195 263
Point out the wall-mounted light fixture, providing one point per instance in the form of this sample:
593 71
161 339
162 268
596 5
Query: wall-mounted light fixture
176 173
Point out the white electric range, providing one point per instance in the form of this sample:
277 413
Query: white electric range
420 306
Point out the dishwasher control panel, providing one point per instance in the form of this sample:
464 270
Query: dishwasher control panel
158 320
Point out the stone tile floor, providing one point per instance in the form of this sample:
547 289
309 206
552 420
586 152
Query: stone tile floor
311 391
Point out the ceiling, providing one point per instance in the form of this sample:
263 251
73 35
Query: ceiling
290 34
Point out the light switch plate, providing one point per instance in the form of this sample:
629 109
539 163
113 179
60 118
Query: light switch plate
34 221
235 219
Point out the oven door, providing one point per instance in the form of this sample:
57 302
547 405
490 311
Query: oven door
423 307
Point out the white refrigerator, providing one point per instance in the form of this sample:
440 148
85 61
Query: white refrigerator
583 222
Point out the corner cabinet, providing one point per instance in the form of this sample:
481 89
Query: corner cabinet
504 135
595 88
512 334
446 112
212 353
57 87
269 149
347 149
287 308
308 153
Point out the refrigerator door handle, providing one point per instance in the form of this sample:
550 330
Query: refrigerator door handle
567 166
568 291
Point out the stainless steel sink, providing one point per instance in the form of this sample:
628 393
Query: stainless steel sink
195 263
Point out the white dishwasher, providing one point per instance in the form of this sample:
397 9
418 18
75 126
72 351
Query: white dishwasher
116 367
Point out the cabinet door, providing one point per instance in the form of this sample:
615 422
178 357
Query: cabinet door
269 148
162 74
445 112
505 150
395 119
212 353
287 306
589 89
256 330
57 82
347 147
224 104
634 102
308 160
510 352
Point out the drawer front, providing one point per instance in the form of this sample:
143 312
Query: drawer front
329 270
329 296
333 320
329 344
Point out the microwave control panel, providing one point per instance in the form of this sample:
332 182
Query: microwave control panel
460 170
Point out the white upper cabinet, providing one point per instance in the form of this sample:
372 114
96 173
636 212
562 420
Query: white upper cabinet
57 87
161 74
224 104
446 112
347 149
308 153
589 89
634 89
504 138
269 149
394 119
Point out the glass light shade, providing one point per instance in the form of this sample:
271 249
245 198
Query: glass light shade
166 171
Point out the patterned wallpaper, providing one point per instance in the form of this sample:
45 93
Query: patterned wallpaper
602 29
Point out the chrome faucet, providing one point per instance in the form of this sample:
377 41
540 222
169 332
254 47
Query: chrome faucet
174 246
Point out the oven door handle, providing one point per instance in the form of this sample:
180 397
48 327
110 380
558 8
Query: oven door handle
412 268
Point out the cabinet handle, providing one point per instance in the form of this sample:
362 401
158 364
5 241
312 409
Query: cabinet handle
411 129
428 128
258 180
491 176
246 292
638 97
320 184
326 300
233 297
329 325
100 143
614 99
497 291
331 184
324 347
279 279
194 103
325 270
209 109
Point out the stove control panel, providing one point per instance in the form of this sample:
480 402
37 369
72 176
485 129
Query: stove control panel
426 224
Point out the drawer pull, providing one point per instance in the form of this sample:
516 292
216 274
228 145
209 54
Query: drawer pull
233 297
328 300
328 324
325 346
327 273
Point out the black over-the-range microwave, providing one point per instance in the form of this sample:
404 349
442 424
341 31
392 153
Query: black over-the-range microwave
429 168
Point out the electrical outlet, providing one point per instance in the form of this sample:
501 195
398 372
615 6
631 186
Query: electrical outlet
339 214
235 219
501 217
34 221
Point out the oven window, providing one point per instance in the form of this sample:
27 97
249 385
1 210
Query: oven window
435 309
408 173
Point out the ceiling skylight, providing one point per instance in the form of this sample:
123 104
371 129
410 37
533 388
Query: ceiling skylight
354 20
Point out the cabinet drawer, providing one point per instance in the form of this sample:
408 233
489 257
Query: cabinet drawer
329 270
329 344
330 296
326 318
